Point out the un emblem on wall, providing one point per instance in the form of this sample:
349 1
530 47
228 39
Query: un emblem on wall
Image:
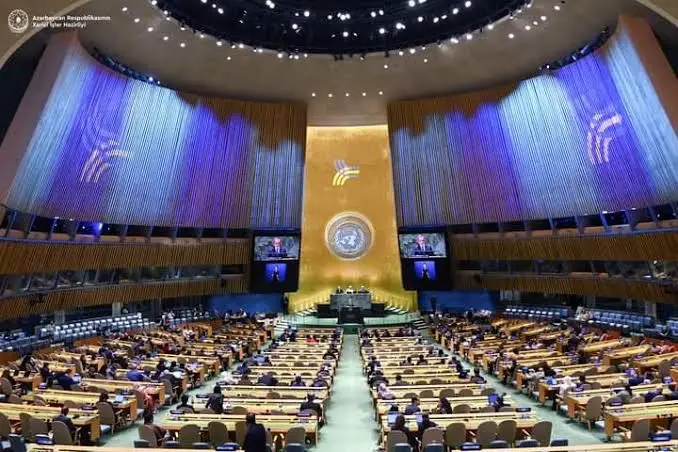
349 235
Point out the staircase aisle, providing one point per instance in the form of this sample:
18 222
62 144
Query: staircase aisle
350 414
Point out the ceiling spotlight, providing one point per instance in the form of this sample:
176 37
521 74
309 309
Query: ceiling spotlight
557 7
312 94
386 66
381 12
149 29
280 55
528 28
219 43
435 20
182 28
381 93
182 45
202 36
364 94
454 40
443 17
204 1
345 34
490 27
543 18
455 11
165 38
382 30
329 95
307 13
412 51
411 3
296 57
329 16
295 26
535 23
137 20
347 94
150 79
241 46
420 19
511 36
228 58
468 4
425 60
154 2
401 53
373 14
124 9
469 36
306 55
221 10
400 26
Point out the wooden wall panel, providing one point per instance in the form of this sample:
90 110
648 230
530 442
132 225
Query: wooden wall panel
23 256
605 287
25 306
621 247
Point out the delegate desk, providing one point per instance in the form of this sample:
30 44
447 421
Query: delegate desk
624 354
576 401
428 404
57 397
258 406
400 391
653 361
659 414
525 421
278 424
80 418
261 392
154 389
599 346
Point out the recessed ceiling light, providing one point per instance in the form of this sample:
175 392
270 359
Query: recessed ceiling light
345 34
386 66
364 94
347 94
543 18
154 2
454 40
425 60
295 26
490 27
381 93
401 53
241 46
412 3
183 44
468 3
528 28
307 13
137 20
221 10
535 23
219 43
280 55
204 1
455 11
469 36
149 29
124 9
557 7
420 19
228 58
382 31
329 95
165 38
511 36
312 94
413 50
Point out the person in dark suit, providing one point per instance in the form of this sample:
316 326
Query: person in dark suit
267 380
275 274
421 247
63 417
276 249
413 407
215 402
65 379
425 275
399 381
311 404
400 425
255 438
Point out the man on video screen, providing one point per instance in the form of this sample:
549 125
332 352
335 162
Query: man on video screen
276 249
421 247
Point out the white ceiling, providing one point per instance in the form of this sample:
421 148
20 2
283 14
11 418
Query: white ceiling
202 67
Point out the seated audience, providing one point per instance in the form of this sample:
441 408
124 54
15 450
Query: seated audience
399 381
413 407
215 402
297 382
63 417
157 430
184 405
401 426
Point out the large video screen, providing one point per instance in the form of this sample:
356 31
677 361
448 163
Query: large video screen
422 245
276 247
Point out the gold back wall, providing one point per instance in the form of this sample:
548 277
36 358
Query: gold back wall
349 234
